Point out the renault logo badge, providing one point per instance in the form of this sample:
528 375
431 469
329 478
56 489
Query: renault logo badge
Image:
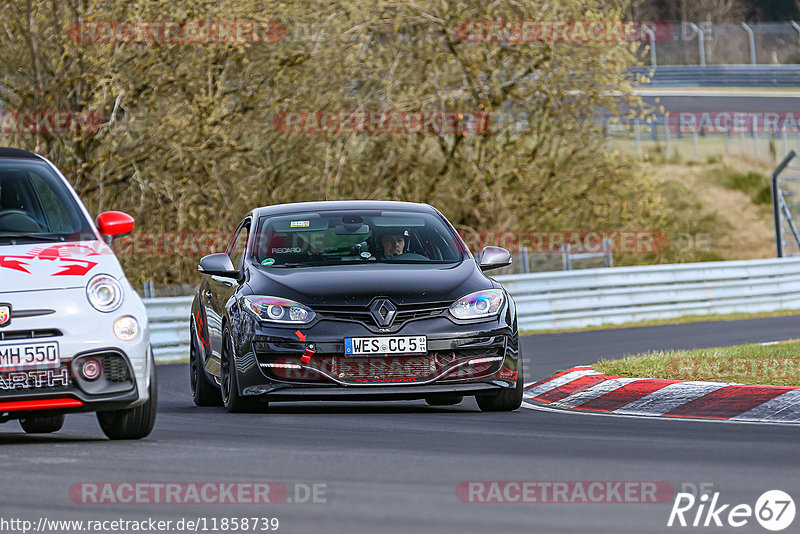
383 312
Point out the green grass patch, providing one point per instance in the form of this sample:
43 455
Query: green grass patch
751 183
777 364
677 320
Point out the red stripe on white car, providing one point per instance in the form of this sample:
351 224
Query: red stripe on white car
42 404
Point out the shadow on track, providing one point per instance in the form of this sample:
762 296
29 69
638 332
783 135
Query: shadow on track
388 407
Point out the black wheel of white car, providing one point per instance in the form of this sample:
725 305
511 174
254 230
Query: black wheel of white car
229 387
43 424
132 423
507 400
203 392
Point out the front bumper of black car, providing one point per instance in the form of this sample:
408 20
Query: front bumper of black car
466 359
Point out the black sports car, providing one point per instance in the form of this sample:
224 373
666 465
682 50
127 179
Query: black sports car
356 300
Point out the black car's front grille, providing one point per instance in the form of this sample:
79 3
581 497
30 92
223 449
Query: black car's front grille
388 369
412 315
362 315
344 313
8 335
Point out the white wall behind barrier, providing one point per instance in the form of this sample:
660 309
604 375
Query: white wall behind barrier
570 299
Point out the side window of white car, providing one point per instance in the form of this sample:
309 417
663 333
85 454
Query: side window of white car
58 219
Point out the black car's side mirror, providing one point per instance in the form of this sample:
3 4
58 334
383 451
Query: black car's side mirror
494 258
218 265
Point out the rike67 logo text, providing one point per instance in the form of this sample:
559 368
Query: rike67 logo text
774 510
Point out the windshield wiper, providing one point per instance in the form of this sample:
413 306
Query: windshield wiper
35 237
318 264
291 265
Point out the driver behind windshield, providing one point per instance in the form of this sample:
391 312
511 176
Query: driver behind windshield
394 243
306 239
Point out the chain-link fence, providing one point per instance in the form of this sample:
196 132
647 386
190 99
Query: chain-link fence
763 43
786 206
707 135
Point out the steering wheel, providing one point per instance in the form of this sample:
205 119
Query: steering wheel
6 213
10 212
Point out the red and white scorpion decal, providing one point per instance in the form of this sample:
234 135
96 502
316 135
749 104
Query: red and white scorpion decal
65 254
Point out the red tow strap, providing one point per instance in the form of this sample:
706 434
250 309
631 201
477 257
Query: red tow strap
306 357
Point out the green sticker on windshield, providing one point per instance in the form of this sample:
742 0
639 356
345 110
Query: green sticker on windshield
268 262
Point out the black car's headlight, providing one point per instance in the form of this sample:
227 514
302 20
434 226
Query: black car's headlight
478 305
278 310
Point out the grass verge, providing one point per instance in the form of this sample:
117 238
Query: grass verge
777 364
686 319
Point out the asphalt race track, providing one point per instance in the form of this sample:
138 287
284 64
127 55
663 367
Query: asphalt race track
394 467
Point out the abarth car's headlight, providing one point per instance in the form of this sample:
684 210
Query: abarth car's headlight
278 310
479 304
104 293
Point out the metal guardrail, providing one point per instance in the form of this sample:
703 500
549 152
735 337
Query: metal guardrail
721 75
168 318
629 294
569 299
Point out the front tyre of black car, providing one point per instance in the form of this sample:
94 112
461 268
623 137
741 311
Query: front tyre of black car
507 400
42 424
132 423
229 388
203 392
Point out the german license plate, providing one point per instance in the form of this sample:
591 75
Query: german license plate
21 356
375 346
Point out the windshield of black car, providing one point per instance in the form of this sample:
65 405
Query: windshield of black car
358 236
36 206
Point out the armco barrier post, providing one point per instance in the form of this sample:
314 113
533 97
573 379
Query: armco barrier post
652 37
701 43
796 26
752 40
776 208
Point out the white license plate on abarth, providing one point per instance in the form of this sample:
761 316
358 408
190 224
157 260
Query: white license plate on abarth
20 356
376 346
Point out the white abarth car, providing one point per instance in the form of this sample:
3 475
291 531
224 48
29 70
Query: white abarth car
73 332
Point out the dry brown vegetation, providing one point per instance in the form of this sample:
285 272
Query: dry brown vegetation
188 142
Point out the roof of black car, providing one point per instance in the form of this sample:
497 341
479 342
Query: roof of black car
6 152
336 205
